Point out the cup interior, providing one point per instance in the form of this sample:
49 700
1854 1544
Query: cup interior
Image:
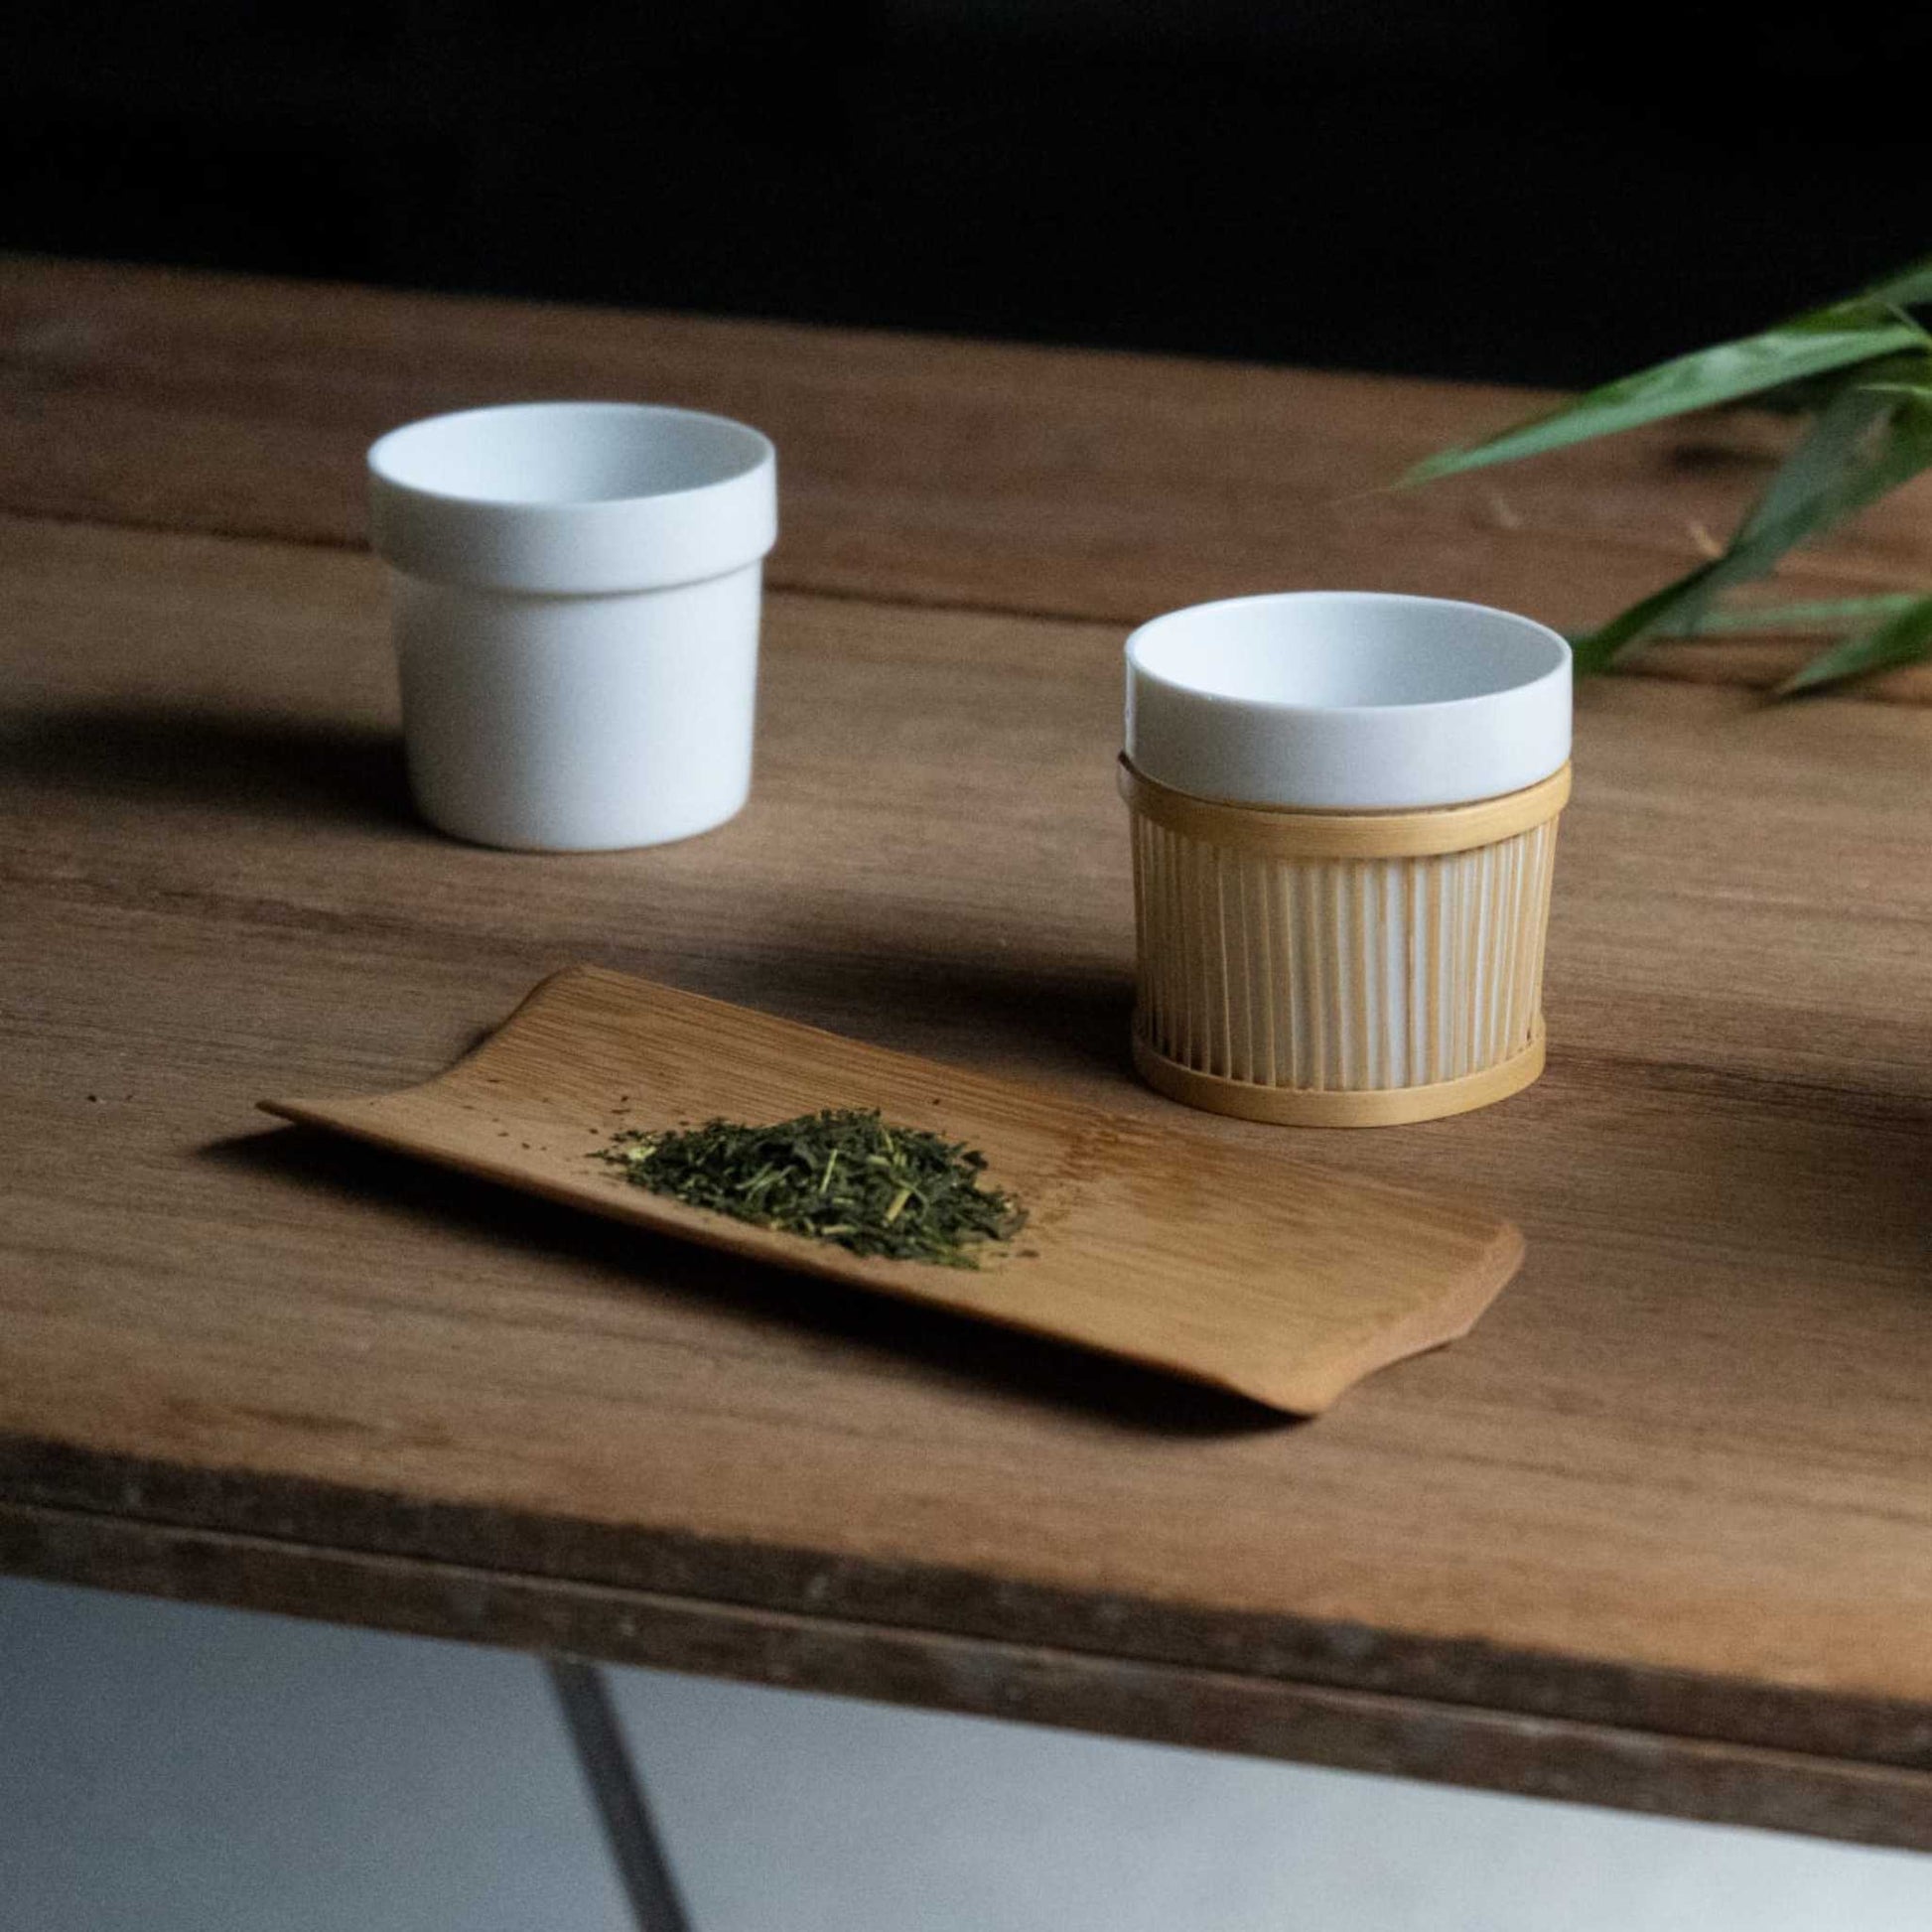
568 453
1345 651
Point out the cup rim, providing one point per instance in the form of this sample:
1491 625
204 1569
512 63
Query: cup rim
757 450
717 513
1507 726
1557 669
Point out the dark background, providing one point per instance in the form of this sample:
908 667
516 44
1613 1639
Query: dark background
1488 188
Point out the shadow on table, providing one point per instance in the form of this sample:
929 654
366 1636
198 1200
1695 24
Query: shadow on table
931 1342
1024 1019
267 766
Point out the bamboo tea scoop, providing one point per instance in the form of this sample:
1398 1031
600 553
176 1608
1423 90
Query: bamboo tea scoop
1169 1245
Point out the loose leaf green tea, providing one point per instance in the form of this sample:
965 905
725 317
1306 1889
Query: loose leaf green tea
842 1175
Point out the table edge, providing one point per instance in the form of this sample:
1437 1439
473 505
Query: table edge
214 1534
1391 1734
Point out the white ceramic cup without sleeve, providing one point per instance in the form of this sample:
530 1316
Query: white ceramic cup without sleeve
576 589
1344 809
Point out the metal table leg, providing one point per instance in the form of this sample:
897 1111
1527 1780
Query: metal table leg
599 1744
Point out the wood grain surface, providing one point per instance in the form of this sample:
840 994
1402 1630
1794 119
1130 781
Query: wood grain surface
1005 478
1659 1533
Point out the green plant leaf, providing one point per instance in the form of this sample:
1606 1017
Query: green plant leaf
1849 333
1903 639
1804 491
1904 288
1839 468
1894 388
1865 442
1796 620
1680 604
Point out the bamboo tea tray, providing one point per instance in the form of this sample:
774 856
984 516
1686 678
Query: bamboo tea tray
1228 1264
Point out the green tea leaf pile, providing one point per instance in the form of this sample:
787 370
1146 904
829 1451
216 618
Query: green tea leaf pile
842 1174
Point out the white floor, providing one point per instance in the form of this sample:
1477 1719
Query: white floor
185 1770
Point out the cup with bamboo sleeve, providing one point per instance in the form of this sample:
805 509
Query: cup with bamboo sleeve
1343 810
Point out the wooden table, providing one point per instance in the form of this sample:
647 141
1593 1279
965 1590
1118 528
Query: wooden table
1658 1535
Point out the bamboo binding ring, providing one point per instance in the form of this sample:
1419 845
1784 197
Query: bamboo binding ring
1341 1106
1283 832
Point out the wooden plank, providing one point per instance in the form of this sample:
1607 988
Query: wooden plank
1398 1736
1675 1484
997 477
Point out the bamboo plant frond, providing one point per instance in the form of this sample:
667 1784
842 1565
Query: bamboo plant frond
1680 605
1840 336
1904 288
1890 628
1904 638
1864 444
1862 369
1810 617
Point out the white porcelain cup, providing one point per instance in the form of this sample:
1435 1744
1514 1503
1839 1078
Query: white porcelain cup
1344 810
1346 701
576 606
